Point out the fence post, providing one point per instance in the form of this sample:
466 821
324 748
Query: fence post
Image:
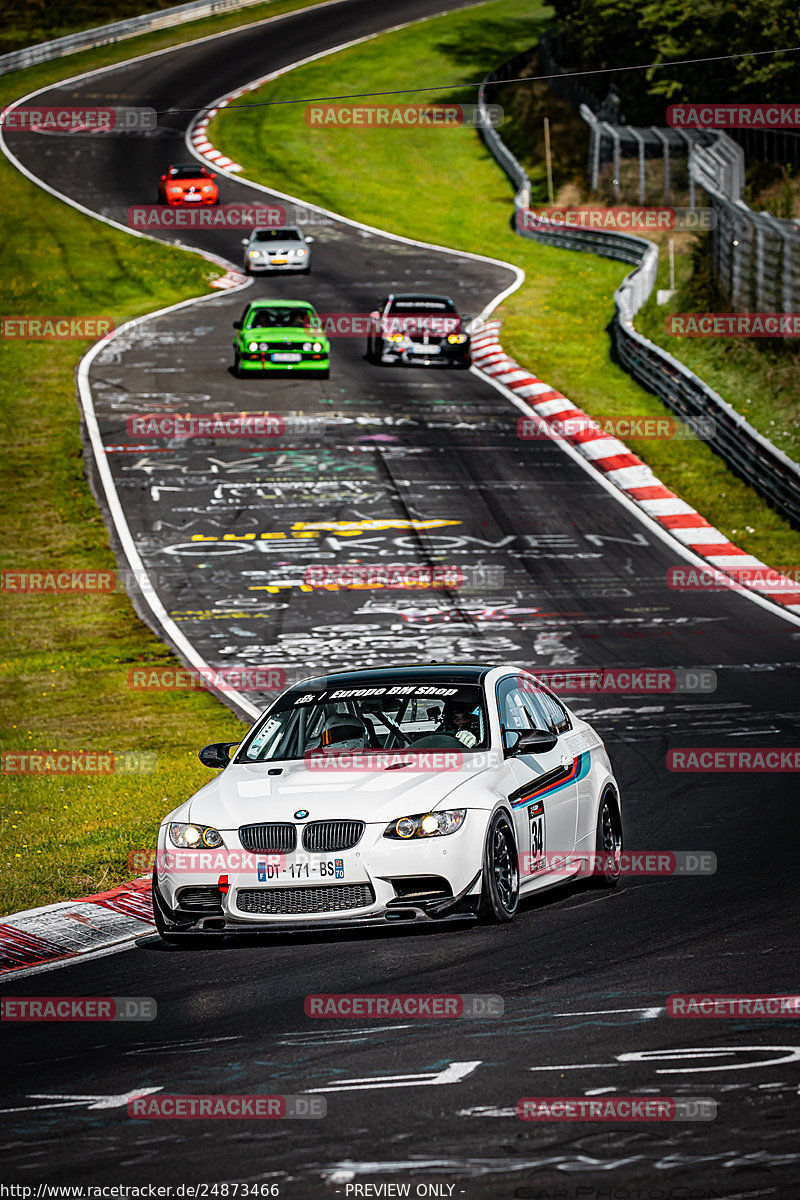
665 148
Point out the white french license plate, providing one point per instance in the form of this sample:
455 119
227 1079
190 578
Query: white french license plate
427 351
192 199
286 357
322 868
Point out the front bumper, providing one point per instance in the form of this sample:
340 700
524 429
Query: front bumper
205 202
263 268
377 882
261 363
407 357
458 909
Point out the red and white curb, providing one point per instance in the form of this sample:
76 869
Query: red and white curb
203 146
620 467
230 279
57 933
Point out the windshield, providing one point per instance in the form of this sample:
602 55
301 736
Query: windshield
377 716
277 235
424 304
188 173
281 318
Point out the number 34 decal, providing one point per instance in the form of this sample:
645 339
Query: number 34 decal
537 841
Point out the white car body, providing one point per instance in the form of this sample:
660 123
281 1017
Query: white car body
551 800
280 249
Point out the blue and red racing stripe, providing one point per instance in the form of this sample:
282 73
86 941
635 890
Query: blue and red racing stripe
552 781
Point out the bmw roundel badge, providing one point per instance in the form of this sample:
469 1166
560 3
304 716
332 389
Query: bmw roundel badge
301 814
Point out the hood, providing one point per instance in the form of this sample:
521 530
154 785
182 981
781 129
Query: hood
289 334
245 794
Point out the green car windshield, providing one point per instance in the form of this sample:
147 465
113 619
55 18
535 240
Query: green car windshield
283 318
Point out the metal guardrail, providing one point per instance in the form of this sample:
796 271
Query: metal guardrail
104 35
755 255
766 468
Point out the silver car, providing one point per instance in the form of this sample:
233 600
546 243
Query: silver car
281 249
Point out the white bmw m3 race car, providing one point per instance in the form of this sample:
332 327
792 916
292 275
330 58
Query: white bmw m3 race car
403 795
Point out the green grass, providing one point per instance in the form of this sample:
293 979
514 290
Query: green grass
760 377
444 187
64 660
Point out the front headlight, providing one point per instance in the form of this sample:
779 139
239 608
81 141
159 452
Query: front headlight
437 824
190 836
317 347
456 339
252 345
301 253
254 253
208 187
394 337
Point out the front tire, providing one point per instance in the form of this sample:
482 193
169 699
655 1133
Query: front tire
237 370
608 843
500 894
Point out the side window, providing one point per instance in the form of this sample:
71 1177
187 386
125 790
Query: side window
525 705
513 705
553 715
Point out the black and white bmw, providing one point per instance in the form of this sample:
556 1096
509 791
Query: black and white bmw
418 330
403 795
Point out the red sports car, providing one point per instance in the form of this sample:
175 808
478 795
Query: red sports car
187 183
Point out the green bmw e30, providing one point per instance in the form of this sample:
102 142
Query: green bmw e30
280 335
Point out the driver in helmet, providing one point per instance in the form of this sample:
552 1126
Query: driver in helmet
343 732
459 720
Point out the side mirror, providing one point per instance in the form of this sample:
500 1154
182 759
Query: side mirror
217 755
532 741
309 239
237 324
245 241
213 176
163 178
